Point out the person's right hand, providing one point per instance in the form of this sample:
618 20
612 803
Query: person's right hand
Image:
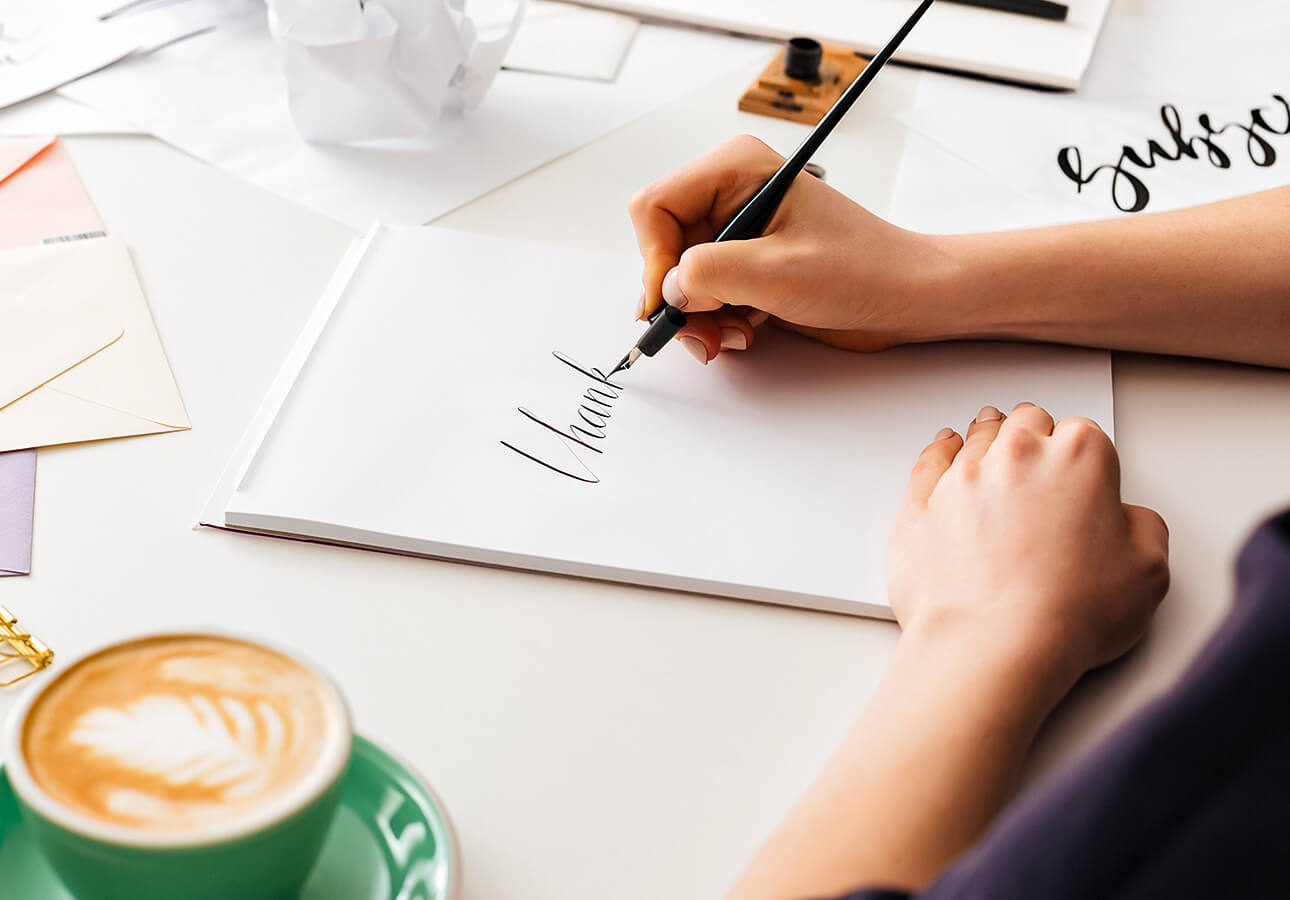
824 267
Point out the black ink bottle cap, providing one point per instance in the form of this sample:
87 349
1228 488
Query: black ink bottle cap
802 57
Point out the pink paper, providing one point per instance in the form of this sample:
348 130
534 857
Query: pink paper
41 195
17 506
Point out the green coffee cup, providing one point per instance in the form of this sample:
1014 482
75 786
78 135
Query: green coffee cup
193 765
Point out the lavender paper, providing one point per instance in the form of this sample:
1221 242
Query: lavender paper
17 499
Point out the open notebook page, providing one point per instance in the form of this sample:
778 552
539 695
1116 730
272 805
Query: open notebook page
770 475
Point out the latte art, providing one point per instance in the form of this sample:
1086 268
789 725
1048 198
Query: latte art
174 734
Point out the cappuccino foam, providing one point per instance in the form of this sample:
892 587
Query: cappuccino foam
177 733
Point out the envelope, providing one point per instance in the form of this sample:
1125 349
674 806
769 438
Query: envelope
83 360
41 196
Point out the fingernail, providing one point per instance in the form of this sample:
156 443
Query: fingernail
696 347
989 414
733 339
757 317
943 434
1023 404
640 308
672 295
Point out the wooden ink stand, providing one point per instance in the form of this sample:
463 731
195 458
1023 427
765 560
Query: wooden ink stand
803 81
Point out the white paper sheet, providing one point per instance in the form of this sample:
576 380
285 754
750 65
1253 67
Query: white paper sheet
573 41
1145 87
50 43
221 97
771 475
51 114
986 42
75 49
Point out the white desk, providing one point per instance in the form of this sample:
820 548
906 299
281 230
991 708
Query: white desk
590 740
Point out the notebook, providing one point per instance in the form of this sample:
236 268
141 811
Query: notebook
444 401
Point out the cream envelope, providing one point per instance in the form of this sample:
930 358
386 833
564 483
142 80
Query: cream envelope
82 357
41 196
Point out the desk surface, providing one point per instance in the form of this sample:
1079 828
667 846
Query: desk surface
582 734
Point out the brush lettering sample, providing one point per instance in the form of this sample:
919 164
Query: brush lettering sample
594 412
1217 145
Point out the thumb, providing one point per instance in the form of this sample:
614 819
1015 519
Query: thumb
710 275
1147 527
1148 530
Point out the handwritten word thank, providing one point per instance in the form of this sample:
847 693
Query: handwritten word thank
1129 191
594 412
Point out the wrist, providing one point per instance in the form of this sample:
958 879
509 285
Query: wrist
1014 662
961 293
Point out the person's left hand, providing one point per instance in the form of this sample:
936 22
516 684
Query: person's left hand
1016 538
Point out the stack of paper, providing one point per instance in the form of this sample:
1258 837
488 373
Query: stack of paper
770 475
41 197
82 359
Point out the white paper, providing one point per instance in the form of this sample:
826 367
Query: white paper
51 114
84 361
1145 87
573 41
74 50
385 68
952 36
221 97
770 475
52 43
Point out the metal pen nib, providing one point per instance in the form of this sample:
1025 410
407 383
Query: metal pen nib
626 362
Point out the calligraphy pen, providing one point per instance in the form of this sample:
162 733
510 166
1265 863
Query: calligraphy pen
756 214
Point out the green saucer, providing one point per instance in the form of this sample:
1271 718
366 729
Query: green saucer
391 840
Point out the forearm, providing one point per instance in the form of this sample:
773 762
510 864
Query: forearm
1211 281
921 775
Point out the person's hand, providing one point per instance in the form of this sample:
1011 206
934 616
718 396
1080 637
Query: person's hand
1013 568
825 266
1015 541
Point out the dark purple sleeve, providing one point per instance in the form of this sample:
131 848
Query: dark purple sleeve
1189 798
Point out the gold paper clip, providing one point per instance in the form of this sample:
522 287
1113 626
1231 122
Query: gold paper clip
19 650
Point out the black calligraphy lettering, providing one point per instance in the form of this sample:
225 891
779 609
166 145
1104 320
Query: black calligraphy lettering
1070 161
1139 196
1218 157
1172 120
594 412
1129 190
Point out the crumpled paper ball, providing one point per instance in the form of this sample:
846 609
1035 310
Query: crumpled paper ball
382 69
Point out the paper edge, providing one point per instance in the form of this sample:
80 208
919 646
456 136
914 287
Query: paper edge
642 10
290 528
629 27
212 513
